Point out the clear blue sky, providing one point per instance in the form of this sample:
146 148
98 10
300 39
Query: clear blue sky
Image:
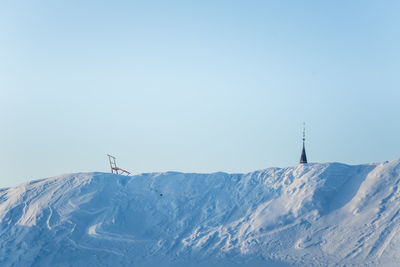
195 86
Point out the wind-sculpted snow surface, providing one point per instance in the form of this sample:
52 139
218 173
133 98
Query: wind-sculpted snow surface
310 215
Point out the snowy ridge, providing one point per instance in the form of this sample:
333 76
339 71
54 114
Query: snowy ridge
313 214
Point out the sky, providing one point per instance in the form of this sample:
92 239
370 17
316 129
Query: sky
195 86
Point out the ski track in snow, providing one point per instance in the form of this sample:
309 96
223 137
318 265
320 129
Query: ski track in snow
309 215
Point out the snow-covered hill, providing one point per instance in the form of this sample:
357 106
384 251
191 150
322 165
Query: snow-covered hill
308 215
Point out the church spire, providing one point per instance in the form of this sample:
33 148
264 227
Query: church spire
303 158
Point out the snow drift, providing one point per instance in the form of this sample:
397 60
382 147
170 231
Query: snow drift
308 215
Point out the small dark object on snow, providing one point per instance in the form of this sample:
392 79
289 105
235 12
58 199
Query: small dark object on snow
303 157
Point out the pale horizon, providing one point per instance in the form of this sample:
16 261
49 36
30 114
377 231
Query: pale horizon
196 87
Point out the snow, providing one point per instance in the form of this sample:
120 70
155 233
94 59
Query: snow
309 215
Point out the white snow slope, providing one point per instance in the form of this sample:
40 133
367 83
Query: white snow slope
309 215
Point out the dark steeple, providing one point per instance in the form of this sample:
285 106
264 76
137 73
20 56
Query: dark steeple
303 158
